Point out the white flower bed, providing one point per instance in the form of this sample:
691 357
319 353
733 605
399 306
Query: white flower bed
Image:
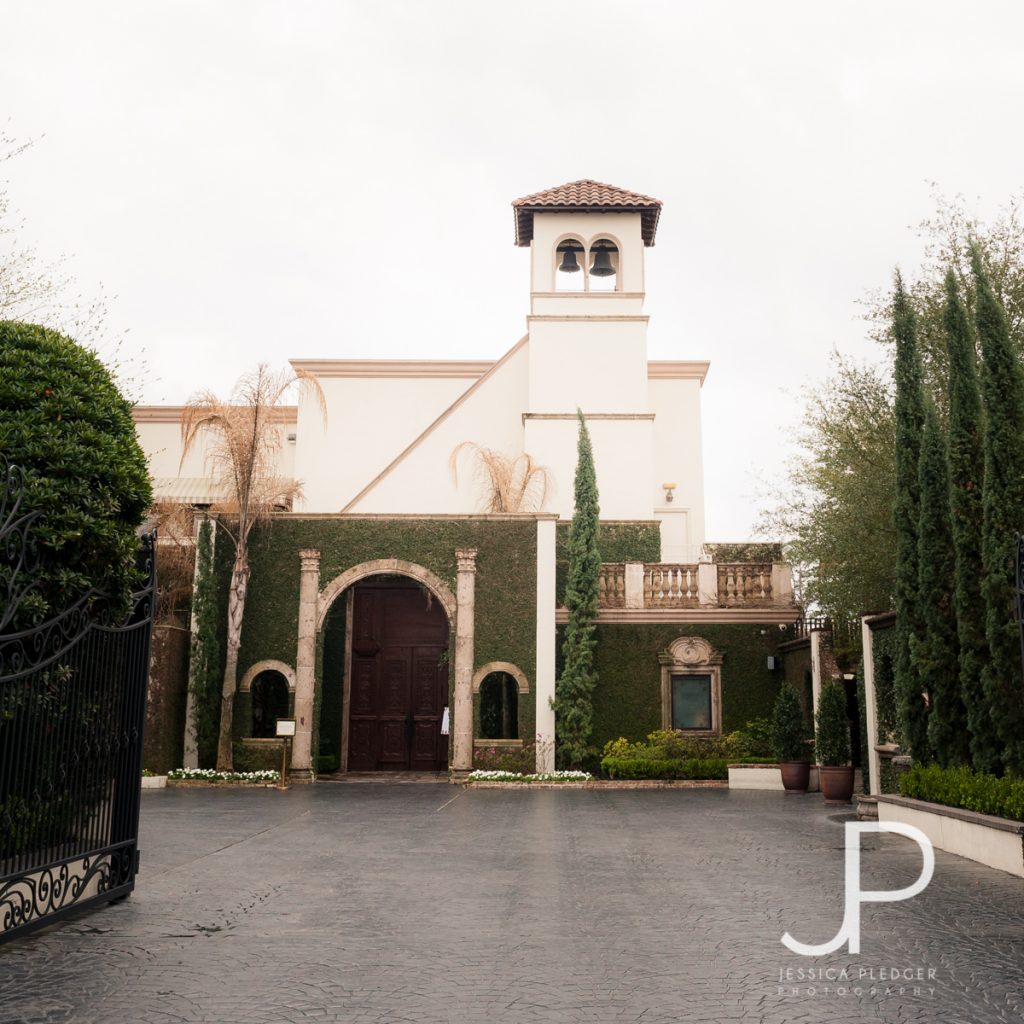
497 776
209 775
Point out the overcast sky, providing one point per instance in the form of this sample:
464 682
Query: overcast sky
260 181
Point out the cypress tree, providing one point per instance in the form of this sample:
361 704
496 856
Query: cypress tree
909 413
1002 381
936 651
574 711
965 488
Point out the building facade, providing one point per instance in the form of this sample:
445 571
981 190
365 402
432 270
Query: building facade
407 610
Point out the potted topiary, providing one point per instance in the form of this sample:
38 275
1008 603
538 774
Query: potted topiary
788 740
832 742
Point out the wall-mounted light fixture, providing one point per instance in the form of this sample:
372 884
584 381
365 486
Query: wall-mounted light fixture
669 488
773 663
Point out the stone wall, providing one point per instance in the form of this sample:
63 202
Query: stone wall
163 739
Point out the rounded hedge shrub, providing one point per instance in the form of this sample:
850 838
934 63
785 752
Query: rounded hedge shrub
832 740
66 425
787 727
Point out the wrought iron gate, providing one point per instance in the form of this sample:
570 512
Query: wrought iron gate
72 708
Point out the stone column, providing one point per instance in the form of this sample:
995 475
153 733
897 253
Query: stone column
816 671
707 584
546 640
874 764
305 666
634 577
782 584
462 714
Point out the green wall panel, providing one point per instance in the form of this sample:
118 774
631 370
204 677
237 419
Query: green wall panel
627 699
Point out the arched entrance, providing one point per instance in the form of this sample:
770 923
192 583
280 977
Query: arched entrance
269 692
391 632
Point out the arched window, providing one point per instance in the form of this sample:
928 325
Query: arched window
603 266
499 707
569 270
269 693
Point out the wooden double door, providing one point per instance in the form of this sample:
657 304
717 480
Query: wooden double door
399 679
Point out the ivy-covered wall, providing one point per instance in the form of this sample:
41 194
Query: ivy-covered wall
796 664
506 591
627 700
618 541
164 735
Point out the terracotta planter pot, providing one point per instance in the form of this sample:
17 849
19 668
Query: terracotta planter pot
836 784
795 776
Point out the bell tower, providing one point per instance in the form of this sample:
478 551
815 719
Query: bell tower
588 339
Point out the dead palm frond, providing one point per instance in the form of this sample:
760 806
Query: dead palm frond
508 484
175 558
241 439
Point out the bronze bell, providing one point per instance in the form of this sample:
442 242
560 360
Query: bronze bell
569 264
602 265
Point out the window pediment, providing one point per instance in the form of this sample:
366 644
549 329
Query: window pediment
689 652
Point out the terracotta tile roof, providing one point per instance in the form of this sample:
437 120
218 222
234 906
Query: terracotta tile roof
585 196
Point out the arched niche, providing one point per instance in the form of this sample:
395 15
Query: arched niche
269 693
268 666
570 264
499 685
514 671
604 269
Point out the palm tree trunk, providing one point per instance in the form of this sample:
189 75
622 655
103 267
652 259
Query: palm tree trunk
236 612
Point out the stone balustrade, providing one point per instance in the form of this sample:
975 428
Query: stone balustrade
654 585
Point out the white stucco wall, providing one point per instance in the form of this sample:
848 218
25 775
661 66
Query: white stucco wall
597 365
161 443
491 416
370 421
392 425
678 458
622 460
159 433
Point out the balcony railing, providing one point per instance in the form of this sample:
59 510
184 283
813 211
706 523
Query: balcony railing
670 586
694 585
744 584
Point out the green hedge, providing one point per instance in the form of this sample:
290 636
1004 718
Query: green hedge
645 768
961 787
251 758
66 426
618 541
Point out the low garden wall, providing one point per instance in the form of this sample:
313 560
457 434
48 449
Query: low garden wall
764 776
995 842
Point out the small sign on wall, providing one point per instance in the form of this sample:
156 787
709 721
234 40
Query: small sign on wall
286 727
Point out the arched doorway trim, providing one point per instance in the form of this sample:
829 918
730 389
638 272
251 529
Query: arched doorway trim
384 567
501 666
268 666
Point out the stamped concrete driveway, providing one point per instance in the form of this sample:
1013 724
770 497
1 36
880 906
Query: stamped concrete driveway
425 903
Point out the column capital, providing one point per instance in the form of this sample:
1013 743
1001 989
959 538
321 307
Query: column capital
466 559
310 559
